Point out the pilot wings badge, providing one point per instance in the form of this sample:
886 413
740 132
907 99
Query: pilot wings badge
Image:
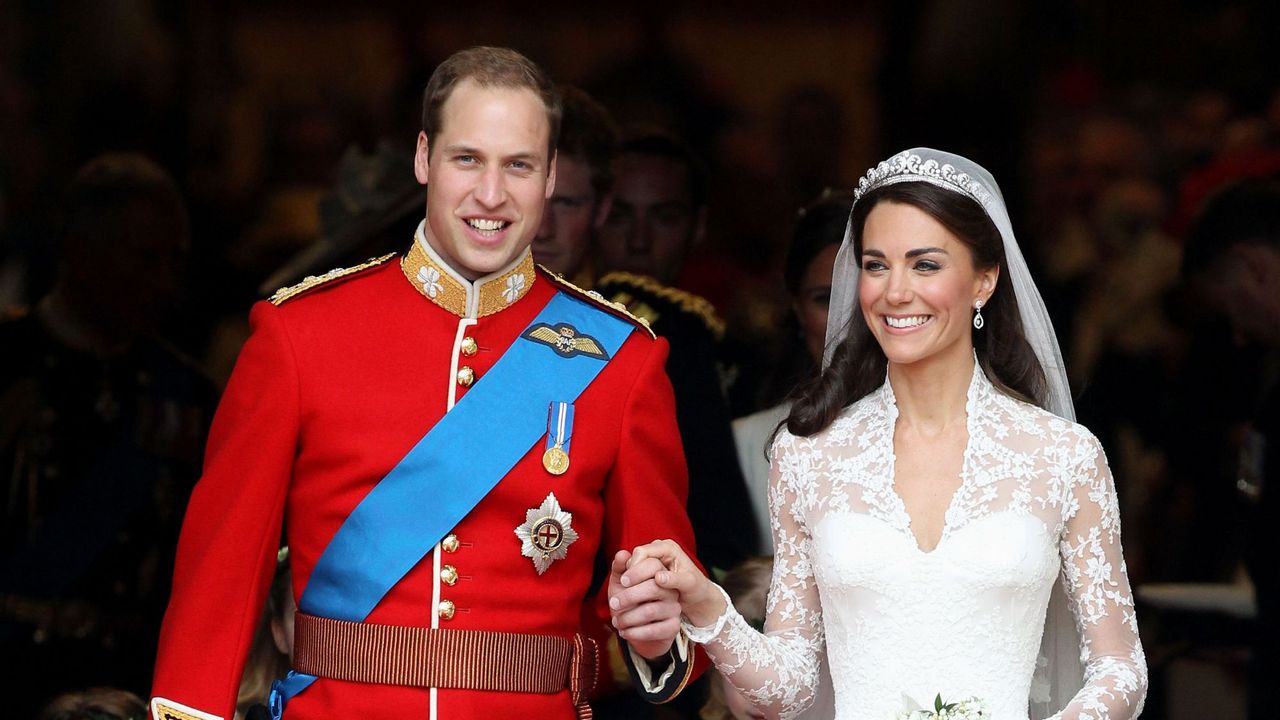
566 340
546 534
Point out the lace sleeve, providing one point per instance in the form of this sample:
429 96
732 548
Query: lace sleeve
777 670
1097 584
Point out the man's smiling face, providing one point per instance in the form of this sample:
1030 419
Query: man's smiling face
488 176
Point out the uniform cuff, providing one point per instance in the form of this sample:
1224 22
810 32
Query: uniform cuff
673 678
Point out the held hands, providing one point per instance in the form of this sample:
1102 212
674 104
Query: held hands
646 616
650 588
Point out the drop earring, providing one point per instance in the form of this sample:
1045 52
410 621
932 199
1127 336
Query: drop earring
978 322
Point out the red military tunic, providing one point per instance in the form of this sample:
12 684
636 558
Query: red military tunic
332 389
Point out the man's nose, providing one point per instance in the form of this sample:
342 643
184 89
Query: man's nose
491 191
639 237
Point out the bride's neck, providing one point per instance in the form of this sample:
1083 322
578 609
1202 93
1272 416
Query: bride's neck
931 394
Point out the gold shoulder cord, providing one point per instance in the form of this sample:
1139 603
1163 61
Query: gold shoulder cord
314 281
682 299
614 307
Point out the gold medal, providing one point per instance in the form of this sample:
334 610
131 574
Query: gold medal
555 460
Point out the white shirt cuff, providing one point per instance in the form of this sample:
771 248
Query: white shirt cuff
679 649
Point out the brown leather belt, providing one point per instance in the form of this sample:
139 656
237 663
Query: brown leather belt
465 659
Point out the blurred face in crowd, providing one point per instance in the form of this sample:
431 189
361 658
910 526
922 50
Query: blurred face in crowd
1245 288
652 223
918 286
488 175
572 217
123 277
810 303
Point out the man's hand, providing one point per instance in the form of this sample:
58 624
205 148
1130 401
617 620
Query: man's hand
645 614
671 569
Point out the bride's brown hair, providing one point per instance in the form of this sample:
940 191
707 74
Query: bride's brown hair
858 364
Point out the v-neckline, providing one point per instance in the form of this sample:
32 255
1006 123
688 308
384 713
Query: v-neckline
890 399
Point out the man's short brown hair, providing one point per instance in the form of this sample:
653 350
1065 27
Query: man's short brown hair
489 67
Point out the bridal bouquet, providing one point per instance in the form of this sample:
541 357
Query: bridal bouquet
970 709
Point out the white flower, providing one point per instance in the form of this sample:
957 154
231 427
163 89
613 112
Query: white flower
430 279
515 284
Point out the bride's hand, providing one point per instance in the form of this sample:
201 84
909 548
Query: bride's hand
667 564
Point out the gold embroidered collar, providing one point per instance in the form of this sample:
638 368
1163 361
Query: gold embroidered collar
492 293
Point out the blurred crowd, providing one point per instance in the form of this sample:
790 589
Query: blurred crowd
149 195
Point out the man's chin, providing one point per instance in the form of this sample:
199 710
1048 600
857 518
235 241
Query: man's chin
487 262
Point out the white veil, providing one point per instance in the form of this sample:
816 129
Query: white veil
1059 673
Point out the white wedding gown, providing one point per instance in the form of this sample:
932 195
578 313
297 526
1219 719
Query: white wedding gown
1036 503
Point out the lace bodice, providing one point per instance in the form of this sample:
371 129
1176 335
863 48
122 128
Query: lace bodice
1036 503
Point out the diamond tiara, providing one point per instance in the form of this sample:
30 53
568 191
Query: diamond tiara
906 166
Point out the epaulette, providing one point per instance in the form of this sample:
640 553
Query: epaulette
311 282
613 308
683 299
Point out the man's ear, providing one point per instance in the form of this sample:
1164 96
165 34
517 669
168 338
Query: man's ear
422 159
551 175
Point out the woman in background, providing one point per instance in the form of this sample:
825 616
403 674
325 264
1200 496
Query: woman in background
810 260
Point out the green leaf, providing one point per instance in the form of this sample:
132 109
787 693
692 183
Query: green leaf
937 703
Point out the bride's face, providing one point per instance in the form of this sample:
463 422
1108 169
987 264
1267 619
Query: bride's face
918 286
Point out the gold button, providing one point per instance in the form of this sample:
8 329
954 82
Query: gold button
445 609
449 543
466 376
469 346
449 575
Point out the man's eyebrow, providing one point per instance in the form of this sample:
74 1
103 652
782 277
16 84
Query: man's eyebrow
457 149
527 155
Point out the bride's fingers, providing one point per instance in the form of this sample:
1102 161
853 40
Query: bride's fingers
682 581
667 551
646 593
640 571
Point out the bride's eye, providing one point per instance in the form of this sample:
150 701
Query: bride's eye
872 265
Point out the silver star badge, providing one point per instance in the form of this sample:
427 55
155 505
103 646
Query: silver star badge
546 534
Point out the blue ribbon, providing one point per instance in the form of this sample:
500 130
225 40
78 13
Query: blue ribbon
557 435
449 471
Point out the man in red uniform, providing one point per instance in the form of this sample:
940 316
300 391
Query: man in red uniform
443 515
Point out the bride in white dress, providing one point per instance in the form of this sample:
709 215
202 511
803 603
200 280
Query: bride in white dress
930 492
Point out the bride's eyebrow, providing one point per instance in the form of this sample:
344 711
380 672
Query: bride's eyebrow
925 251
917 252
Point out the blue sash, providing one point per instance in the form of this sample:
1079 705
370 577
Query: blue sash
450 470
